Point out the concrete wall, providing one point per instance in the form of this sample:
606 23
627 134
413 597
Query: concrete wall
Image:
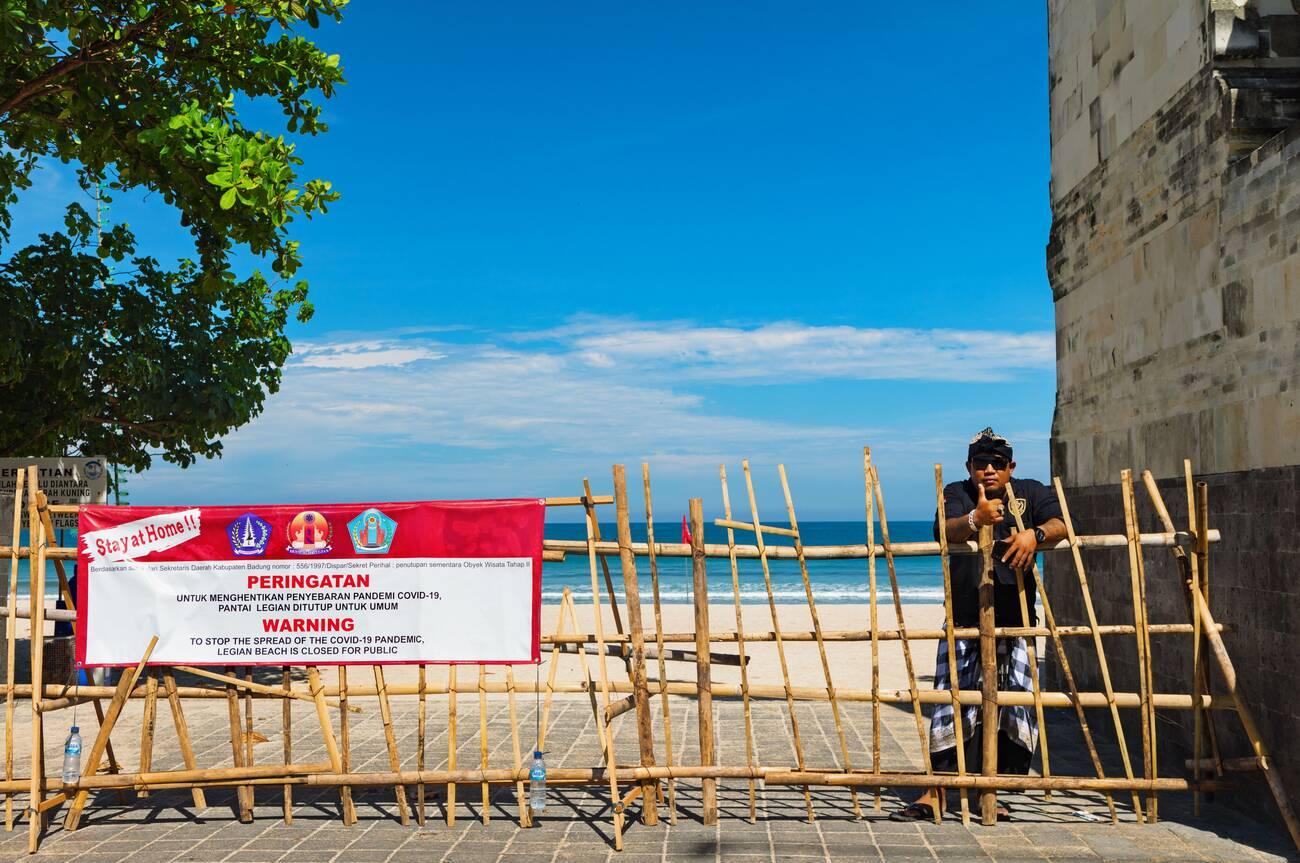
1174 262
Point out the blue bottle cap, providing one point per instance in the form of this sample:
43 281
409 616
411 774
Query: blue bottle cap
76 730
537 753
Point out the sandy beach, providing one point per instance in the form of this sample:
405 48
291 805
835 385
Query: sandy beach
850 662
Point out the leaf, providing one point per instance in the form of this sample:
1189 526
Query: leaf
228 198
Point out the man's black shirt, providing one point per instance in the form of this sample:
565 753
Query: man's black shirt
960 498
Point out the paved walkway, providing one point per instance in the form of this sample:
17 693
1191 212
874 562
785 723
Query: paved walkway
576 824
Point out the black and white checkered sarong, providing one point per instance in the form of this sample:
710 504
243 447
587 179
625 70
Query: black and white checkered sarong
1020 723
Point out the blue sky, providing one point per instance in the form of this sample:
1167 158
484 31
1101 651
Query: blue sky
579 234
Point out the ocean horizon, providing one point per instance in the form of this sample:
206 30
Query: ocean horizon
920 579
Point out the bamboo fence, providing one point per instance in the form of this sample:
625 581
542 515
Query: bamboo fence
632 691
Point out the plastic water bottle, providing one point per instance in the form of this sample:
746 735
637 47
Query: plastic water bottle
537 783
72 756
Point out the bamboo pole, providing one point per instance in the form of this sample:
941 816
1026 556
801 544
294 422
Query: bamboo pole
636 669
602 730
831 552
1229 674
556 549
817 630
113 765
776 629
988 681
604 563
243 803
902 625
65 589
1198 659
346 803
659 639
1064 661
390 741
1202 561
593 528
248 733
483 740
322 717
1139 602
260 688
740 645
521 797
451 743
36 576
545 720
286 732
954 686
147 721
421 724
875 629
1189 566
1108 688
1125 700
11 645
1031 651
765 528
703 677
182 732
44 508
891 635
90 766
317 776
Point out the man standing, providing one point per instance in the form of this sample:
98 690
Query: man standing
981 501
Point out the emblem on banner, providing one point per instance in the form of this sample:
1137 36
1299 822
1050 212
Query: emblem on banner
248 535
1018 506
94 469
309 533
372 532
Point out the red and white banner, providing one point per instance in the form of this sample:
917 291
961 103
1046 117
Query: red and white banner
382 583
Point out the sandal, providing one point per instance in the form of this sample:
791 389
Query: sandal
916 812
913 812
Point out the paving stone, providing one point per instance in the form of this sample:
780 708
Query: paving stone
577 825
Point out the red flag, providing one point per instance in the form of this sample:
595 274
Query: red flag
686 532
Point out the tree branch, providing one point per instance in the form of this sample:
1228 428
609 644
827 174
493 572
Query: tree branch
89 54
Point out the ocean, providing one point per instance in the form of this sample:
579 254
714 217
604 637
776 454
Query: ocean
833 581
920 579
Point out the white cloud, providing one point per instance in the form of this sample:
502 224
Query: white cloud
365 354
787 351
400 415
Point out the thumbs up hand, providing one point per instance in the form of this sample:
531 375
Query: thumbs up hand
987 512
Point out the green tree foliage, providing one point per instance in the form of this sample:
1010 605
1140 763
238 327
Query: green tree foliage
102 348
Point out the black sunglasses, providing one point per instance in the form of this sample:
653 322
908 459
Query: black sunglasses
981 462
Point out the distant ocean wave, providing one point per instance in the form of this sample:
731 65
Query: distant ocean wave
834 581
821 593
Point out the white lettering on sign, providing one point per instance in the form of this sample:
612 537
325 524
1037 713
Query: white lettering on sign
135 539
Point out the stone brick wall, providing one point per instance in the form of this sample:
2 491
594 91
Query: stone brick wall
1112 64
1253 591
1174 262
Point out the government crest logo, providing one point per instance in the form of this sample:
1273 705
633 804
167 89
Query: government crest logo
248 535
94 469
372 532
309 533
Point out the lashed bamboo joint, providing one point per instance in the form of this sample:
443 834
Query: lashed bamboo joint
628 695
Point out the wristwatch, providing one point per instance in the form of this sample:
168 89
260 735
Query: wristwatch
1040 535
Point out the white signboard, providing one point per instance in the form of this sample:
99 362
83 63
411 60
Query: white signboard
65 480
363 610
